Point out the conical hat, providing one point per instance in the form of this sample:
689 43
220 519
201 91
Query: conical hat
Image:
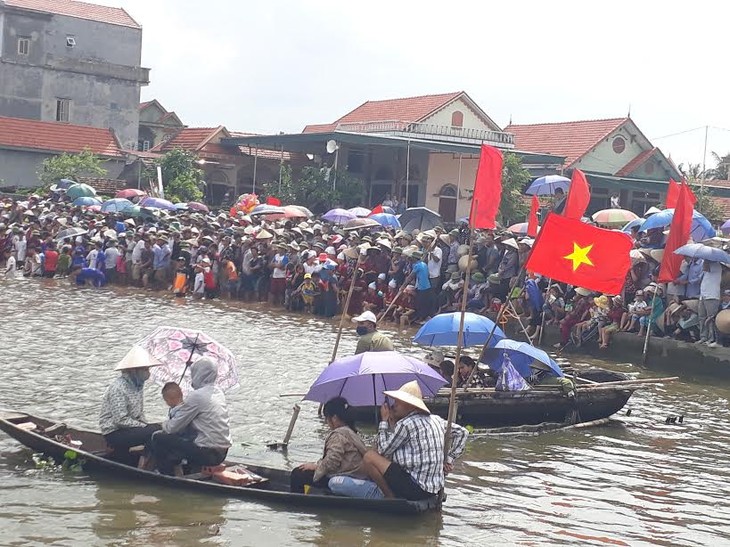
410 394
137 357
263 234
722 321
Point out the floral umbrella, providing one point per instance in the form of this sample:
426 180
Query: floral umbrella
615 218
177 349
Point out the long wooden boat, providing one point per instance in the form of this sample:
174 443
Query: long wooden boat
489 408
89 447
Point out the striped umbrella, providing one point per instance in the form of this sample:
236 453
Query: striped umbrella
615 218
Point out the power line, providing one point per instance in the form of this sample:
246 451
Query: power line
679 133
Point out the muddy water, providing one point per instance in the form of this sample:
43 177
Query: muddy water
631 483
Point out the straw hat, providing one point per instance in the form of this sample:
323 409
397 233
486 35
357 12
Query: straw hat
601 301
137 357
583 292
510 243
410 393
722 321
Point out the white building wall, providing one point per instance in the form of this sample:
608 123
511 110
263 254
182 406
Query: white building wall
603 159
471 120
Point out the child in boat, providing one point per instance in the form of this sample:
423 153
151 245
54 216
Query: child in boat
173 396
340 467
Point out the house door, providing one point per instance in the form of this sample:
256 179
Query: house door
447 203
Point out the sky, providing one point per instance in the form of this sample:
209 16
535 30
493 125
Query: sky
279 65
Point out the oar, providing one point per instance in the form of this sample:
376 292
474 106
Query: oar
347 306
285 443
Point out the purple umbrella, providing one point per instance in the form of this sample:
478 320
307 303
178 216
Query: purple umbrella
725 228
157 203
362 378
339 216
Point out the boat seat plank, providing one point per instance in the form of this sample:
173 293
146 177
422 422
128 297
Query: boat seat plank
13 416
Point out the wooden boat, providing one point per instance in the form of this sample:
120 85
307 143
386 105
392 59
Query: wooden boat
55 439
487 408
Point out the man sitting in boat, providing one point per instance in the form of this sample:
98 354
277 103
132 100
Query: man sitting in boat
205 410
370 338
122 420
342 458
409 462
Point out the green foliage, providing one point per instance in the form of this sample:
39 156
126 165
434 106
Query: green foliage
513 207
71 166
707 203
181 176
313 188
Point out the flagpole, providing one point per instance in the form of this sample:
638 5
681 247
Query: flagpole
542 319
459 339
648 329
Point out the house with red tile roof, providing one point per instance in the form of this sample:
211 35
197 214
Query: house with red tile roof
616 156
420 150
156 125
24 144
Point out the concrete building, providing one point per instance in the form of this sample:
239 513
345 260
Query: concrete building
71 62
423 150
156 125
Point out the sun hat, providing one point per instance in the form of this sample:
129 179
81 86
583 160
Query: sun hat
307 276
477 277
137 357
601 301
455 276
418 255
510 243
583 292
365 316
410 393
434 358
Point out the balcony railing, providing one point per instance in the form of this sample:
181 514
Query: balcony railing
464 135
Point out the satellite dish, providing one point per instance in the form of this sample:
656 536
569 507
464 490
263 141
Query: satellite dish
310 157
332 146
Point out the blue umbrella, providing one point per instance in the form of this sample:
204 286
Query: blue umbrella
698 250
631 223
157 203
546 186
76 191
386 219
339 216
522 355
388 210
116 205
725 228
701 227
443 330
362 378
86 201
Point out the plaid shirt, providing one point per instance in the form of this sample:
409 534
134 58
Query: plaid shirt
416 443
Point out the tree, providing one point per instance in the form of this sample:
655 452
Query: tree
513 207
706 202
317 189
721 171
71 166
181 177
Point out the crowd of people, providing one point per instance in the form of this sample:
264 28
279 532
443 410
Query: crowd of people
308 265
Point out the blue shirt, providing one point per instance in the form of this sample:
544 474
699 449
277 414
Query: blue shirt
421 271
100 260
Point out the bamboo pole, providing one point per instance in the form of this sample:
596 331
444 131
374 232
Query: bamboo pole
459 345
648 329
397 296
347 306
542 319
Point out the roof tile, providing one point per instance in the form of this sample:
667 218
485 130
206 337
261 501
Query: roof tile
409 109
188 138
637 162
57 137
570 139
79 10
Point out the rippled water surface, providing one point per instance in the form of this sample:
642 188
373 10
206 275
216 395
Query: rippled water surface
630 483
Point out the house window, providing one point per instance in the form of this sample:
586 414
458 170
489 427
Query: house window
457 119
63 107
618 145
23 46
145 146
70 41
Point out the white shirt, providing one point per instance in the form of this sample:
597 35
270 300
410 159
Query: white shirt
20 248
279 268
10 267
91 258
199 287
137 252
111 256
434 267
710 284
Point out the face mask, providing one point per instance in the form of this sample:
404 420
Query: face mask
361 330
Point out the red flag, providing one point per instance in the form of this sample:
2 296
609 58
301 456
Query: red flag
579 196
574 252
672 194
532 218
377 209
678 234
271 200
487 189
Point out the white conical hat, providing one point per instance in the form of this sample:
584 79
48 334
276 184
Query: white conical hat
410 393
137 357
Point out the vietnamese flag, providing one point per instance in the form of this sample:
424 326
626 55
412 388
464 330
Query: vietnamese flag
376 210
679 232
271 200
579 196
672 194
532 222
582 255
487 190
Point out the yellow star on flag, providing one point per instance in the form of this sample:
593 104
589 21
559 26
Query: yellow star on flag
580 255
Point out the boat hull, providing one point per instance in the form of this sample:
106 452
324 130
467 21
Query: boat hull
274 491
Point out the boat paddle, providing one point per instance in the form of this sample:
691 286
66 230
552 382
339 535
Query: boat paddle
284 445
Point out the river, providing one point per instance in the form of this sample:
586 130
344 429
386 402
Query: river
638 482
